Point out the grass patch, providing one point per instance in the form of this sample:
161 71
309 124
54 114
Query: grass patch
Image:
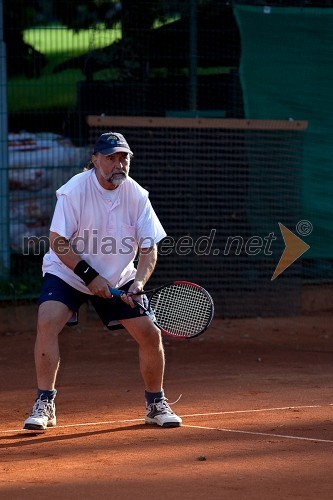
55 90
58 91
60 40
25 278
45 93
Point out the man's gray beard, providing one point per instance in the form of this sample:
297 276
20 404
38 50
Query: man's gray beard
117 179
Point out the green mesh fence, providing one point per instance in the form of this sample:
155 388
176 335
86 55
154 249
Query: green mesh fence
179 60
286 71
216 185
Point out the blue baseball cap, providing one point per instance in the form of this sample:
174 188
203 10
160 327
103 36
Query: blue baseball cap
111 142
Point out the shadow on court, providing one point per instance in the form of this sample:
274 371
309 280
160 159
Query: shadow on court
256 404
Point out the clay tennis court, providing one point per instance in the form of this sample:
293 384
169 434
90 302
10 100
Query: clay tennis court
256 404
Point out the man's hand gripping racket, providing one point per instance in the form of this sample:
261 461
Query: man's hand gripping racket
181 308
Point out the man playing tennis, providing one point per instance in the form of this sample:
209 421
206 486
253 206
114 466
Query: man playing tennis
101 220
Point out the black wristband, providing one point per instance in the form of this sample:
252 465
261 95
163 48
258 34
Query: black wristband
85 272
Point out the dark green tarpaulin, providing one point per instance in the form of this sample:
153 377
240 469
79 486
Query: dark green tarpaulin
287 72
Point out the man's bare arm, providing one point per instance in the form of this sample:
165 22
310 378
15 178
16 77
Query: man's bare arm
146 265
63 249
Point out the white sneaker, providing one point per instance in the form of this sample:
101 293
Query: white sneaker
161 414
42 416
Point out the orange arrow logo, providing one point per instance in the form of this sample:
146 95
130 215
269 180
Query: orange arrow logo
295 247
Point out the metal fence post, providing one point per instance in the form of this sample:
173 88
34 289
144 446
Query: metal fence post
193 57
4 190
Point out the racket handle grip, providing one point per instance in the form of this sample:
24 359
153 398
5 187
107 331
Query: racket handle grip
115 292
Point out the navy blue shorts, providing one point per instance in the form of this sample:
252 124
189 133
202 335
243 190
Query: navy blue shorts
109 310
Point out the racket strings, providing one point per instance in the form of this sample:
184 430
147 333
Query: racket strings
182 310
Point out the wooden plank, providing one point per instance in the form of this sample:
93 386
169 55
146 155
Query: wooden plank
214 123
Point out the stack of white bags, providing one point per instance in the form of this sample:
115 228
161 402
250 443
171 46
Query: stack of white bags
39 163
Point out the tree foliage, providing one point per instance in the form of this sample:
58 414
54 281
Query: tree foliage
22 58
136 18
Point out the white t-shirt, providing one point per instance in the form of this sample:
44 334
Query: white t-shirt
105 227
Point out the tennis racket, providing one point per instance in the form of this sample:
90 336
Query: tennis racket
180 309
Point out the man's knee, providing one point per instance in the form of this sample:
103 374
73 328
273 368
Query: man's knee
148 336
52 317
155 336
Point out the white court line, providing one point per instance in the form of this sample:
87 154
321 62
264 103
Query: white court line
102 423
259 433
85 424
252 411
109 422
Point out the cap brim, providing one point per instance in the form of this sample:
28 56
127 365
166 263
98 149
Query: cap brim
110 151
